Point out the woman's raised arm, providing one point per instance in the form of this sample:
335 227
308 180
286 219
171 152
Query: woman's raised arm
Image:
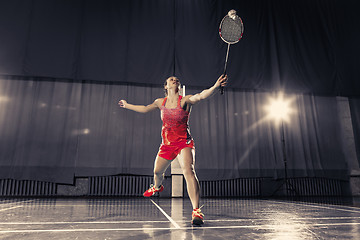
208 92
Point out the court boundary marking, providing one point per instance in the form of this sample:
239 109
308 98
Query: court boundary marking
267 226
19 206
332 207
165 214
16 202
5 209
159 221
177 227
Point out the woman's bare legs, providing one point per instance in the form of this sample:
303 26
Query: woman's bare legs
160 166
187 160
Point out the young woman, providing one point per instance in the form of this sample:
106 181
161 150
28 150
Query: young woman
176 139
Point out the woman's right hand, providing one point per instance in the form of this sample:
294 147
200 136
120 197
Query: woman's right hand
122 103
222 81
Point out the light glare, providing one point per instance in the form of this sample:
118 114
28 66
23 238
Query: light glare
279 108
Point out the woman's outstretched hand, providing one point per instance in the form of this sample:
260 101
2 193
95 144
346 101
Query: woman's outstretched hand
222 81
122 103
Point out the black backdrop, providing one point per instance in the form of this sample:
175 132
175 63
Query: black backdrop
307 46
65 64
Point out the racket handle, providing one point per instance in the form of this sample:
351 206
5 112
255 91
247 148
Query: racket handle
226 60
221 87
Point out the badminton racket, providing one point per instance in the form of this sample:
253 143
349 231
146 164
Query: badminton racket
231 31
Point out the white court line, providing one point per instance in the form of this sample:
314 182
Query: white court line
167 216
310 203
59 223
150 221
5 209
25 201
315 206
154 229
292 219
79 205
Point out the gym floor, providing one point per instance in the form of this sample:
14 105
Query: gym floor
169 218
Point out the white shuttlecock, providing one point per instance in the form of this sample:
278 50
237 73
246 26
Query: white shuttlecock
232 14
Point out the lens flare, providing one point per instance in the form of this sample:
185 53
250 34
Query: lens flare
279 108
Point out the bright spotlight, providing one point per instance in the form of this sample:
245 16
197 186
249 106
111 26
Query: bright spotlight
279 108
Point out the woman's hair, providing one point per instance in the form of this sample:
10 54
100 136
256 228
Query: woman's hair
165 83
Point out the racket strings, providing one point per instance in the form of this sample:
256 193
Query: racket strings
231 30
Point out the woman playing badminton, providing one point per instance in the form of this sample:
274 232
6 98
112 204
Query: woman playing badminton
176 139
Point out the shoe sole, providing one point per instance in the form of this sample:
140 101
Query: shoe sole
153 193
197 221
148 196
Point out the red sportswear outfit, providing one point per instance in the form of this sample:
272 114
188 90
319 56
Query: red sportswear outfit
175 131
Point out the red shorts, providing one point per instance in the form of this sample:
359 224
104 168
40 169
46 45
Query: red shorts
169 152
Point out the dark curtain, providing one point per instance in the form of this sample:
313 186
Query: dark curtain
53 131
37 124
241 141
307 46
118 141
355 117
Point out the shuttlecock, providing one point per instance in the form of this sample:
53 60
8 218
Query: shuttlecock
232 14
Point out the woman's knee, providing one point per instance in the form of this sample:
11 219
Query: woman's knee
188 172
159 173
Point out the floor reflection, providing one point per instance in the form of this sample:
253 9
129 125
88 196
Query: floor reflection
285 226
139 218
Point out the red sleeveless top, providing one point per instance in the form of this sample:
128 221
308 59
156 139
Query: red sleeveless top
175 128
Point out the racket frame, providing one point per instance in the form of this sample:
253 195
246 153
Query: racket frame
221 23
229 43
